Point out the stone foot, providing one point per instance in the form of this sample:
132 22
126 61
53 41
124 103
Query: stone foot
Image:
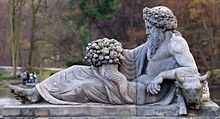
25 96
124 93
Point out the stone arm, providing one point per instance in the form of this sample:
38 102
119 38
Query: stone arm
179 49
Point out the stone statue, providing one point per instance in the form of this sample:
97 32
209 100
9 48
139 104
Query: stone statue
159 72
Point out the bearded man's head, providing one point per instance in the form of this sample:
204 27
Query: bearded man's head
164 20
161 17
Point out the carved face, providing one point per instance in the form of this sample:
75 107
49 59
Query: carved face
151 30
192 89
155 37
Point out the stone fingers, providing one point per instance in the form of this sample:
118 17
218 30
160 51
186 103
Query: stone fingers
147 89
150 89
157 87
153 89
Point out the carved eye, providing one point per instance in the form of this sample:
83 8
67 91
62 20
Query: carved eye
198 89
149 27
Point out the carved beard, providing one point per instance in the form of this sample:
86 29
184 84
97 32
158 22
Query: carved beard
154 43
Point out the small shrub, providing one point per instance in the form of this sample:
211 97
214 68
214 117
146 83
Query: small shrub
47 73
70 63
4 74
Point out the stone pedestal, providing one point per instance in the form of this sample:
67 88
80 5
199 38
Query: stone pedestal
95 111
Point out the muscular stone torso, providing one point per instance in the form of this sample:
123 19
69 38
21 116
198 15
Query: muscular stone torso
161 61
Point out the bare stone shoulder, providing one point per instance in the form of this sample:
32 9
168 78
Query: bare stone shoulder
178 45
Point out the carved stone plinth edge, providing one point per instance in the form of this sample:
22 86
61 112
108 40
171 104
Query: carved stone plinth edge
95 111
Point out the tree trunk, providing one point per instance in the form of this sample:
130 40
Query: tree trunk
211 37
15 31
100 29
43 41
197 38
21 3
33 31
11 5
90 30
203 57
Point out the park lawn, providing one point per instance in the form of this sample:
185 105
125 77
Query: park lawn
6 78
4 75
48 73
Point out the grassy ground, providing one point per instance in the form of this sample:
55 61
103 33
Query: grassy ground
47 73
6 78
4 75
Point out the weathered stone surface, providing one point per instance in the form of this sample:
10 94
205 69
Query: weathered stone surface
168 110
209 109
117 117
69 110
42 113
11 112
97 111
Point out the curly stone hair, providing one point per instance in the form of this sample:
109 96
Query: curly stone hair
161 17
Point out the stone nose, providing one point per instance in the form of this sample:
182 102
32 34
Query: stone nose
147 32
193 100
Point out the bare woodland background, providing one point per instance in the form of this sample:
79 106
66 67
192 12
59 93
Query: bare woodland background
54 32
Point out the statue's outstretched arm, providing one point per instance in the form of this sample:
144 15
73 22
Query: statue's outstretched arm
179 48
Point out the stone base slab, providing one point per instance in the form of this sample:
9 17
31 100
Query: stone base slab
115 117
94 111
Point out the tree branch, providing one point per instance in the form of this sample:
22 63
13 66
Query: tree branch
38 6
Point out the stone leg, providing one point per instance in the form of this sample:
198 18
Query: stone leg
26 96
111 73
122 84
182 105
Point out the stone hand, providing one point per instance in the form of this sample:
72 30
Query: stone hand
154 86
